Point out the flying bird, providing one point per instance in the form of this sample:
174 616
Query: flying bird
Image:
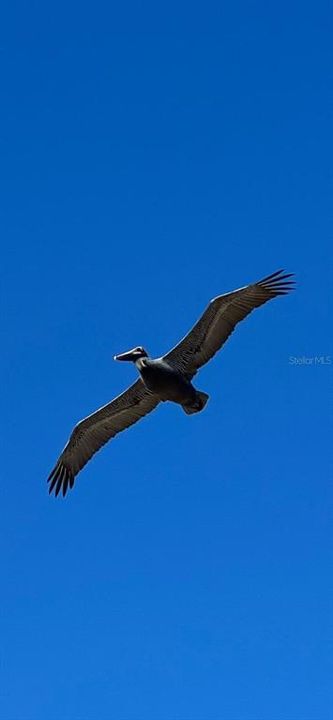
166 378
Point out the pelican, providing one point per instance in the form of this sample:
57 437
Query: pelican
166 378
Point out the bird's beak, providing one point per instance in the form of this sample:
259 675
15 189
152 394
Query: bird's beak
130 356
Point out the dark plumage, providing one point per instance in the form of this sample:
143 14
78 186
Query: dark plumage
167 378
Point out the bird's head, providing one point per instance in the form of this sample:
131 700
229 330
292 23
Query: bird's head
132 355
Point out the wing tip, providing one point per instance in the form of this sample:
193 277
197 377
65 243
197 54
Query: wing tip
60 478
278 283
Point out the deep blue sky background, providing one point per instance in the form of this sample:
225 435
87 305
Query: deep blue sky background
152 158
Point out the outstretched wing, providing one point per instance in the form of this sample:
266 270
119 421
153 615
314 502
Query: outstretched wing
94 431
220 319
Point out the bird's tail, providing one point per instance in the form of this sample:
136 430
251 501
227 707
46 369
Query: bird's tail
199 404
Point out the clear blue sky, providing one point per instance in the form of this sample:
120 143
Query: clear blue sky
154 157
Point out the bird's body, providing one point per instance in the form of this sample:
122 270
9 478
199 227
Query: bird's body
169 384
166 378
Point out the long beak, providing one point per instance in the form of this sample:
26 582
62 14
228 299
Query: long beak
129 356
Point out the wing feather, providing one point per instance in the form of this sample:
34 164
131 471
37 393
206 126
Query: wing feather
220 319
94 431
